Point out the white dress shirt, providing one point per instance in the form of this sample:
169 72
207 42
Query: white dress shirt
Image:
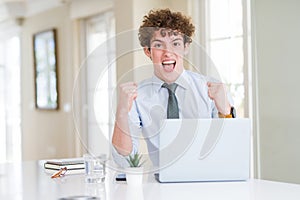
150 109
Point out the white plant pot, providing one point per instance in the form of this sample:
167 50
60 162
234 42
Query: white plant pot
134 176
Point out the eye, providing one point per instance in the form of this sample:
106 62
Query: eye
176 44
157 45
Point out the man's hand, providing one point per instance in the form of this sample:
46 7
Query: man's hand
217 92
127 94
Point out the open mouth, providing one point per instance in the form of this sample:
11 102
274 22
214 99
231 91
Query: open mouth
169 65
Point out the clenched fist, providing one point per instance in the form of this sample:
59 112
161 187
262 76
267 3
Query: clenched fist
217 92
127 94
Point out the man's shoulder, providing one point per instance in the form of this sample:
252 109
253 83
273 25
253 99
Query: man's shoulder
149 83
199 77
148 87
145 81
195 76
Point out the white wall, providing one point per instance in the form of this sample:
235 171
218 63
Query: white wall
56 134
278 65
47 134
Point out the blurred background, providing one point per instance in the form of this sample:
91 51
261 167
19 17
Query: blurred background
251 45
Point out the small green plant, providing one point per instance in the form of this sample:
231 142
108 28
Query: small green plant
135 160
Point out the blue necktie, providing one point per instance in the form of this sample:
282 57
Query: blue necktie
172 112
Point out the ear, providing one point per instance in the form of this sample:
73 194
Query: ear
147 51
186 48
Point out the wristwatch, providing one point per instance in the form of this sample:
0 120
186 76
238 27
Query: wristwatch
233 112
231 115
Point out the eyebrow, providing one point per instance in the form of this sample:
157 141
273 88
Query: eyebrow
177 39
157 40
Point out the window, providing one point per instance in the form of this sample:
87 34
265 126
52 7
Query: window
100 80
10 104
225 45
222 30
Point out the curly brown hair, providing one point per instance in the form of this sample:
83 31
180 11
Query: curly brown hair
165 19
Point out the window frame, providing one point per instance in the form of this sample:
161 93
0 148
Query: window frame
199 12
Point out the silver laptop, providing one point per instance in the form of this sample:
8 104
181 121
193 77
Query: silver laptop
204 150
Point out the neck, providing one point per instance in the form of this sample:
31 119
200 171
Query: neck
171 79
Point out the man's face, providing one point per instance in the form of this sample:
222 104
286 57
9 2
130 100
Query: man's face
166 52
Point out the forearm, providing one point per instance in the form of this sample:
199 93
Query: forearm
121 136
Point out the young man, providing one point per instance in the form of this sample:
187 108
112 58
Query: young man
165 37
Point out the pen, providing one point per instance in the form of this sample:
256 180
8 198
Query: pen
59 173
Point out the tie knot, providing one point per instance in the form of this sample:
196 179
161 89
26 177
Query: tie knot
171 87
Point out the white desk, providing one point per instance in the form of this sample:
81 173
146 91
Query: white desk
28 181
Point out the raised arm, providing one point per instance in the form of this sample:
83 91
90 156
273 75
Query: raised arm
121 139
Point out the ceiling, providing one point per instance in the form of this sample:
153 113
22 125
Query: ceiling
12 9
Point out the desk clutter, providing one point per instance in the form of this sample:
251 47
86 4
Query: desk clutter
65 166
92 166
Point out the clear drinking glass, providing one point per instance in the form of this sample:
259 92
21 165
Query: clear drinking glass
94 168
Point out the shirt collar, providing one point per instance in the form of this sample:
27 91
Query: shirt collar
182 81
156 83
